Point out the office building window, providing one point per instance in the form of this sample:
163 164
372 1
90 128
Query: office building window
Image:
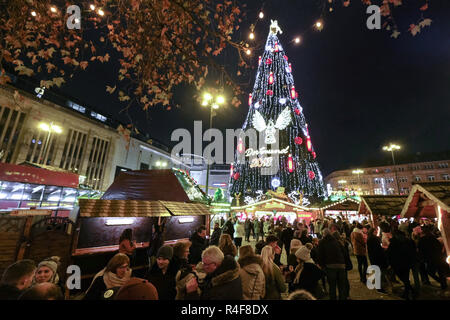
98 116
73 151
76 107
430 178
96 162
417 178
445 177
11 122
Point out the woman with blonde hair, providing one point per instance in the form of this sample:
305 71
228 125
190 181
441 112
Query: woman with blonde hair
252 276
275 284
227 246
116 273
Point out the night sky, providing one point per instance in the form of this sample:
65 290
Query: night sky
359 88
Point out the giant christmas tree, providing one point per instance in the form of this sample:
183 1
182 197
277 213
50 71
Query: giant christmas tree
275 112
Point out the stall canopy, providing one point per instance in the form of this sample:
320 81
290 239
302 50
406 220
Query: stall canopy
139 208
149 185
425 197
381 205
347 204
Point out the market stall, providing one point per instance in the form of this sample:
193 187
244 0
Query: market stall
431 200
373 207
143 201
346 208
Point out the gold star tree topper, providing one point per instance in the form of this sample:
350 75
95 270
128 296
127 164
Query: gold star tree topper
274 27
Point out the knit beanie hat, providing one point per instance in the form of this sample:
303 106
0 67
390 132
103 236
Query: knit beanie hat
137 289
52 263
303 253
295 244
165 252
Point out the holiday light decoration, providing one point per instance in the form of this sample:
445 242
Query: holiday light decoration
293 93
277 114
290 164
308 144
231 170
314 155
240 146
250 99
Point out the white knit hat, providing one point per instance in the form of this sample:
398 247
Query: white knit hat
295 243
303 254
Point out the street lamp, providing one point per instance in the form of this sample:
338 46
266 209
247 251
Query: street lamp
49 128
391 148
213 103
358 172
161 164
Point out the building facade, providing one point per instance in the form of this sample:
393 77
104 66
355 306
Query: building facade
385 180
72 137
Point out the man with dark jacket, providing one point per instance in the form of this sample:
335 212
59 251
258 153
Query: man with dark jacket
214 240
199 243
430 250
222 281
402 256
228 228
331 259
286 236
162 274
248 226
16 279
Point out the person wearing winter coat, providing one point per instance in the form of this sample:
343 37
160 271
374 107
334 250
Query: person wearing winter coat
162 275
307 274
227 246
116 274
348 261
305 238
261 228
239 233
402 256
377 256
217 232
252 275
266 227
275 284
199 243
228 228
332 260
248 226
222 281
180 257
360 251
256 229
47 271
431 250
286 236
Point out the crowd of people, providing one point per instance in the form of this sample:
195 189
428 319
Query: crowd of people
224 267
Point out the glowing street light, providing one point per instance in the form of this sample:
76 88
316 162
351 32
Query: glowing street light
261 15
214 103
319 25
248 52
297 40
391 148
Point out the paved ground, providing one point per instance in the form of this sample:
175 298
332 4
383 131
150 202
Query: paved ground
359 291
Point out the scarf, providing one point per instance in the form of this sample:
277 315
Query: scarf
111 280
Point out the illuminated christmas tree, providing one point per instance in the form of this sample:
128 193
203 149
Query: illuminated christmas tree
274 105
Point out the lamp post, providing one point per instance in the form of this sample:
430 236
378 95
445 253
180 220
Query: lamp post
49 128
212 103
358 172
391 148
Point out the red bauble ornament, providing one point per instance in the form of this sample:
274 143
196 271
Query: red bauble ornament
314 155
298 140
269 92
293 93
285 57
240 146
311 175
276 47
268 61
297 111
290 68
236 176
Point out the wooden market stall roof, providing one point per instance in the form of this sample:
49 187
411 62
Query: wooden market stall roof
153 185
423 198
139 208
382 205
347 204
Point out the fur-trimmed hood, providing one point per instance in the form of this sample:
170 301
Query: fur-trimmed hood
250 260
227 272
